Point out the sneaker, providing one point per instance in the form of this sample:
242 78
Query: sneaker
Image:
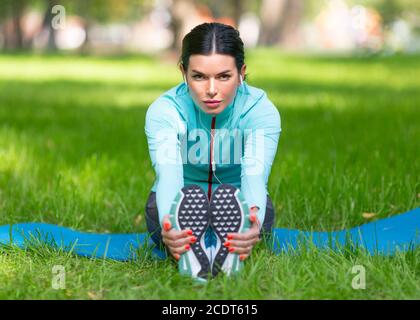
229 213
190 211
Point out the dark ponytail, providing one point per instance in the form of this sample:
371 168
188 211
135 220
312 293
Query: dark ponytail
208 38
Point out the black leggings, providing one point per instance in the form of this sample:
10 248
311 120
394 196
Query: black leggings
154 228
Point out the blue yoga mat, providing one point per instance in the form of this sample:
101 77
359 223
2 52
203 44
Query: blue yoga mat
385 236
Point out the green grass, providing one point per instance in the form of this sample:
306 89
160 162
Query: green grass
73 152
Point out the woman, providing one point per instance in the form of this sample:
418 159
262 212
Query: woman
212 140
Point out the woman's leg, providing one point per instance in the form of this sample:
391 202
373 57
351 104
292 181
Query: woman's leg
152 220
268 223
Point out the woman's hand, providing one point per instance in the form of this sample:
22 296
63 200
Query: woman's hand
177 242
242 243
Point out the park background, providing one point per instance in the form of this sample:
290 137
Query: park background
76 78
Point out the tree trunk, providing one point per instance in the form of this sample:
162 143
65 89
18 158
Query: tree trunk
237 11
290 23
272 12
13 30
280 22
47 24
179 13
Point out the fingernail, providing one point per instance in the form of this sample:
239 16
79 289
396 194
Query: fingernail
231 249
230 237
227 244
176 256
189 232
166 226
242 257
187 246
193 239
253 217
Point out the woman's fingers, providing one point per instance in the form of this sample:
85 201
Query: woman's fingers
240 250
179 250
169 233
166 223
241 243
252 233
179 246
243 256
175 234
241 247
254 220
181 242
177 242
167 227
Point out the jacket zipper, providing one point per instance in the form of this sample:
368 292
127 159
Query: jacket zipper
210 178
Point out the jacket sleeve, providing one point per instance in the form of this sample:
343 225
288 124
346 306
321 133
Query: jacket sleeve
261 135
162 128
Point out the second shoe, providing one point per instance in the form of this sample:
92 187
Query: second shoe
229 213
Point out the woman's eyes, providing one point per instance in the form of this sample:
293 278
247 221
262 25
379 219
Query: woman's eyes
225 77
222 77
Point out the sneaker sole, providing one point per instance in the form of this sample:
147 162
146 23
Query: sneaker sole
229 213
190 211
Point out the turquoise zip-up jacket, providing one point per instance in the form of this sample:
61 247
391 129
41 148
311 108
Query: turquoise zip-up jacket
189 146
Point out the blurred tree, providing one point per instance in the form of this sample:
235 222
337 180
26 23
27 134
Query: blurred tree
228 8
238 10
11 12
271 14
178 14
47 24
280 20
290 24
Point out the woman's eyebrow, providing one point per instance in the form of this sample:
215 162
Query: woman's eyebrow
196 71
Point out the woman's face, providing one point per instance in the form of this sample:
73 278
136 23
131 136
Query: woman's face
213 78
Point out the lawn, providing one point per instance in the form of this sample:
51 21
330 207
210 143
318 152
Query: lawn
73 152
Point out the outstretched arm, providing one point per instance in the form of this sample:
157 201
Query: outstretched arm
260 146
162 128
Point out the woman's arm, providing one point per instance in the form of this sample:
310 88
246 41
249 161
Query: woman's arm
260 146
163 125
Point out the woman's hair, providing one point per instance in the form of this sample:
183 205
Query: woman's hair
208 38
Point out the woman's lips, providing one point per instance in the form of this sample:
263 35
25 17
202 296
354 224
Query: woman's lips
213 103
